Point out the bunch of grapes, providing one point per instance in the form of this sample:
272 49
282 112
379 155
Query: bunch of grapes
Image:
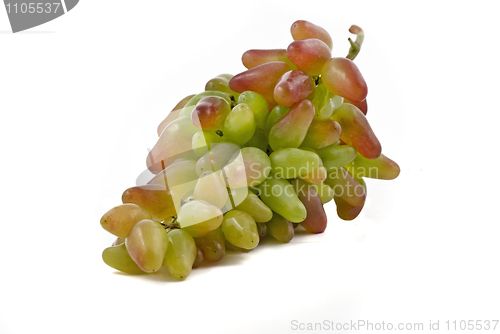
257 153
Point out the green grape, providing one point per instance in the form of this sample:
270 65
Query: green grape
118 258
309 55
186 111
277 113
280 197
346 187
260 79
302 29
236 196
256 208
345 210
324 191
262 229
290 163
210 113
292 87
256 57
147 243
322 134
316 219
203 140
199 218
381 168
213 245
174 114
240 229
259 106
211 188
280 228
181 253
247 168
175 141
155 198
120 219
356 131
258 140
194 100
335 156
239 125
291 129
342 77
218 157
221 84
200 258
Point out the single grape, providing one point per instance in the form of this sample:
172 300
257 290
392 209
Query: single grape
324 191
381 168
280 228
221 84
309 55
217 157
120 219
200 258
213 245
256 57
210 113
203 140
247 168
335 155
342 77
240 229
275 114
363 105
302 29
155 198
211 188
199 217
258 104
181 253
316 219
186 110
289 163
256 208
262 229
280 197
346 187
118 258
321 134
239 125
292 87
345 210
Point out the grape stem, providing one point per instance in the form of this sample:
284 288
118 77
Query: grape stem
356 45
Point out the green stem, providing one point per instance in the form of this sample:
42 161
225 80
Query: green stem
356 45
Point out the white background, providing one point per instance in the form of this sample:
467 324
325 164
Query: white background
80 99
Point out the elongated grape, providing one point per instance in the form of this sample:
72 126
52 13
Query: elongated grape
174 142
316 219
346 187
280 197
324 191
322 134
345 210
309 55
356 131
216 158
302 29
199 218
316 176
155 198
118 258
120 219
174 114
147 243
260 79
256 57
342 77
291 129
280 228
200 258
247 168
221 84
211 188
256 208
290 163
363 105
275 114
186 110
181 253
262 229
240 229
213 245
203 140
258 104
210 113
258 140
335 156
292 87
239 125
381 168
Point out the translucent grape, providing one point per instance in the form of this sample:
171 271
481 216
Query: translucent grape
322 134
210 113
302 29
280 197
147 243
211 188
290 163
291 129
174 114
309 55
292 87
356 131
181 253
239 125
213 245
256 208
256 57
155 198
258 104
342 77
199 218
118 258
240 229
280 228
120 219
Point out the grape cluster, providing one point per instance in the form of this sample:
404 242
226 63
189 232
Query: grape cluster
257 153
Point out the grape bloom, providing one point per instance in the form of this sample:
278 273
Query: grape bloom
256 155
